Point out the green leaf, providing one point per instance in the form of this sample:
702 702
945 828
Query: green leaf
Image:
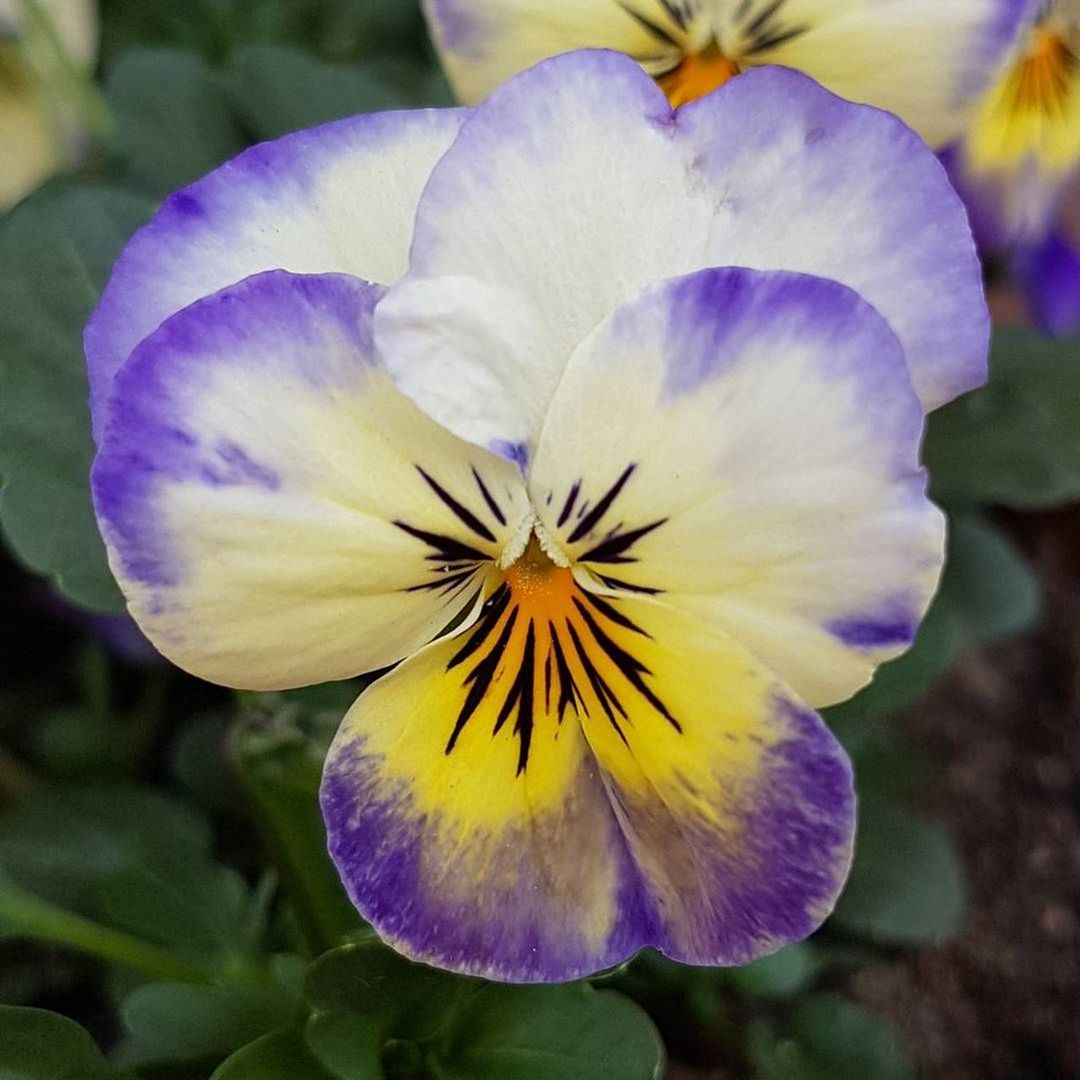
277 90
347 1045
202 910
174 1021
56 250
40 1045
61 843
281 1055
847 1042
173 118
408 1000
990 590
781 975
905 886
1016 441
569 1032
278 751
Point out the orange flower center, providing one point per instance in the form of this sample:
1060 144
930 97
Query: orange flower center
698 75
1041 82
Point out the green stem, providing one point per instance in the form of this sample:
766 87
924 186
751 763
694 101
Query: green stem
34 918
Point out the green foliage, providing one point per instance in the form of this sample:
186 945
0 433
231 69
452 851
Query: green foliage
278 751
830 1039
173 118
281 1055
56 250
905 886
1016 441
40 1045
276 90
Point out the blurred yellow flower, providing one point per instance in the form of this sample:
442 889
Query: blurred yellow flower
42 42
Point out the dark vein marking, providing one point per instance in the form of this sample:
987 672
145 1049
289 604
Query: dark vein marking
614 549
520 696
628 586
592 518
604 694
568 506
493 506
445 549
490 614
569 694
463 514
610 611
631 668
447 583
649 26
481 678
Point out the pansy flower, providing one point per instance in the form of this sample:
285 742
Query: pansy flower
925 60
600 422
39 52
1020 157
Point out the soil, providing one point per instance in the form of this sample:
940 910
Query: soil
1002 1002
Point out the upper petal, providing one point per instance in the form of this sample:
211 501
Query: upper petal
340 197
601 190
276 512
745 446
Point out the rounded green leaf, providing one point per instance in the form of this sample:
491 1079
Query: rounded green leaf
56 250
173 119
408 1000
831 1039
40 1045
782 975
905 885
281 1055
175 1021
1016 441
569 1032
347 1045
277 90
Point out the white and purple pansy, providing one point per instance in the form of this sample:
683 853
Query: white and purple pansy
599 422
1018 163
925 60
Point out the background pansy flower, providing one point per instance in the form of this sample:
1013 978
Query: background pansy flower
925 61
622 519
1020 157
39 127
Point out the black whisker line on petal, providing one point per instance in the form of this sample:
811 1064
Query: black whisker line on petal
568 506
569 695
444 548
760 20
593 517
492 505
615 548
609 611
443 583
604 694
479 680
490 614
521 697
462 513
649 26
631 668
628 586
